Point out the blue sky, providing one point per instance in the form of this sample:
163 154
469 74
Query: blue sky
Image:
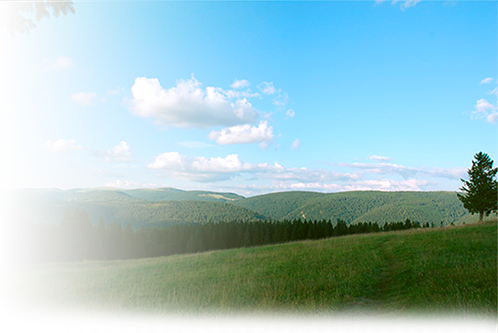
251 97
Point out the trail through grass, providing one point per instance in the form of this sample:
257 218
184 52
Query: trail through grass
429 270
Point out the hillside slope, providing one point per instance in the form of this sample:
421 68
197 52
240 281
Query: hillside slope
360 206
141 213
431 270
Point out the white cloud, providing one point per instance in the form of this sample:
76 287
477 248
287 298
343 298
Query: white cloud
387 185
202 169
384 168
120 153
237 84
62 146
106 173
493 92
406 172
115 92
492 117
267 88
290 113
486 110
487 80
362 185
406 4
243 134
60 63
84 98
129 184
296 144
187 105
450 173
380 158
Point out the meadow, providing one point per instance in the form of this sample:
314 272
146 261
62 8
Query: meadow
429 271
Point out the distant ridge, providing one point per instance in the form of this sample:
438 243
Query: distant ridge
162 206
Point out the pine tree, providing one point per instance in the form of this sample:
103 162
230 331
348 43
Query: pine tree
480 191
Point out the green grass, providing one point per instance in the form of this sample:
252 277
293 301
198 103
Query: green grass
427 270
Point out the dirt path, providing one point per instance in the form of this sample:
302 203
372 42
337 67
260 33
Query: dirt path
380 310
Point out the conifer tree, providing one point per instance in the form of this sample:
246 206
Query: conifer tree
479 193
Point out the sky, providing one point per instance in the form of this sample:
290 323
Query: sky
249 97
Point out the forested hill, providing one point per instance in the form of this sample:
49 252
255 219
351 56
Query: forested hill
105 194
138 214
155 207
360 206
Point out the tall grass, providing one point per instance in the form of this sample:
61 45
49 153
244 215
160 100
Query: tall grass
428 270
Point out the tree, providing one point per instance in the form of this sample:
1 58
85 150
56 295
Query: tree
12 13
480 191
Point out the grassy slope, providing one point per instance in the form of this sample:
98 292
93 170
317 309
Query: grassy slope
430 270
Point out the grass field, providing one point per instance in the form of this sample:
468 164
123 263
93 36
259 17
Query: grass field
452 269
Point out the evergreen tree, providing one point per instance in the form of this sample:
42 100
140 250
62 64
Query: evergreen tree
480 191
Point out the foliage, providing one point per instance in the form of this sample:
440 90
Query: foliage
480 192
361 206
13 19
77 239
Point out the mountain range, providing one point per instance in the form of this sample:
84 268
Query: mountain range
167 206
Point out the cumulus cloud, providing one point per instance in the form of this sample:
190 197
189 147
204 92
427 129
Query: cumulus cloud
243 134
487 80
85 99
188 105
120 153
290 113
202 169
296 144
485 110
60 63
380 158
62 146
237 84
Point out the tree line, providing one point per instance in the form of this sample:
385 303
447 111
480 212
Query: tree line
75 238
